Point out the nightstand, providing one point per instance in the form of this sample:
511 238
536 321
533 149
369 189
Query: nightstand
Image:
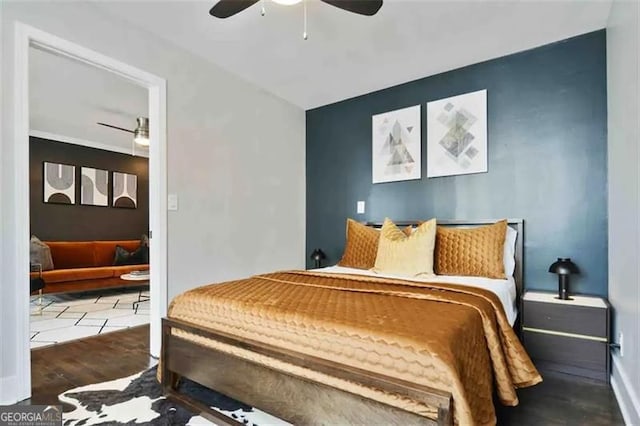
570 336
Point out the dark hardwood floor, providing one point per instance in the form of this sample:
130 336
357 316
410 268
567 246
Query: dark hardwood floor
559 400
562 399
86 361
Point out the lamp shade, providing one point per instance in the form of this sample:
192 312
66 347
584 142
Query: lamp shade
563 266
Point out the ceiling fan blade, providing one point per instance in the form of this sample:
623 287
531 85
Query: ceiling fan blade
116 127
362 7
225 8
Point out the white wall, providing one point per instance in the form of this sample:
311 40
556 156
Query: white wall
235 157
624 201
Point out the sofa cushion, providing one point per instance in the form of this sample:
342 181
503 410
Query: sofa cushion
105 251
139 256
72 254
76 274
40 254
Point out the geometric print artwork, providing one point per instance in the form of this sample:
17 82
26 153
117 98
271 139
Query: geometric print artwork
125 190
457 135
396 145
94 187
59 183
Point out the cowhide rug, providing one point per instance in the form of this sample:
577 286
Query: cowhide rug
138 400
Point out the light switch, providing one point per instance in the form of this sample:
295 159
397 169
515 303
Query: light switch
360 207
172 202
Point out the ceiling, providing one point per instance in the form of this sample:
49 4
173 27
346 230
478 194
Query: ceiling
348 55
67 98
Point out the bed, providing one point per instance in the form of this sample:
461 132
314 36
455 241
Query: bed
336 345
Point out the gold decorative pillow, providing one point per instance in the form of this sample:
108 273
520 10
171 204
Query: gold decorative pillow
475 251
409 255
361 247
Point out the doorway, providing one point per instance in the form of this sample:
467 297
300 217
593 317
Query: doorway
27 37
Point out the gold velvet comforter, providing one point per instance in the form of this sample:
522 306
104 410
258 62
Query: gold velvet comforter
445 336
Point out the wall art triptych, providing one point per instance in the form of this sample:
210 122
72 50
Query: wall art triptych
59 183
125 190
59 186
94 187
456 139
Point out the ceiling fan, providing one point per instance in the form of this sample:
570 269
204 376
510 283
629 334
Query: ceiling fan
140 134
226 8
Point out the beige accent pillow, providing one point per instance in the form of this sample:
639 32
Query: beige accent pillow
475 251
411 255
361 247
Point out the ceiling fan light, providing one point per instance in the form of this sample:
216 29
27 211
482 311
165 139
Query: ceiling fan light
142 141
287 2
141 134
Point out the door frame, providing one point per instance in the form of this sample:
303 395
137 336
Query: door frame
27 37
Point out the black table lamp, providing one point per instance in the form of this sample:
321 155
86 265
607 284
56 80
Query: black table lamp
317 256
563 267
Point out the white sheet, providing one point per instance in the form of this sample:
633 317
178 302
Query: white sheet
504 289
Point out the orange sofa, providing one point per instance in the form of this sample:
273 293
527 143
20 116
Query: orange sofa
87 265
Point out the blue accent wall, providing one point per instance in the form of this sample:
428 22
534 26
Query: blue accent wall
547 159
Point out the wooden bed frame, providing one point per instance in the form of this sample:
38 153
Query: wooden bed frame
294 399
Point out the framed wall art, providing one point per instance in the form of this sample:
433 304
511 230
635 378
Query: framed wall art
457 135
94 187
59 183
125 190
396 150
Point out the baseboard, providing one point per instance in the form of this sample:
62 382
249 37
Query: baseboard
7 383
625 394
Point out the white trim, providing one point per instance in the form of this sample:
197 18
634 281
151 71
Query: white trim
620 398
21 206
562 333
84 142
158 205
625 394
26 36
4 381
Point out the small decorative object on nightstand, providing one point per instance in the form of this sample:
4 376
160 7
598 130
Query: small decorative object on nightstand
570 336
563 267
318 255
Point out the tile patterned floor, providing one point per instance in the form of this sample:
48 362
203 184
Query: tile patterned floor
74 316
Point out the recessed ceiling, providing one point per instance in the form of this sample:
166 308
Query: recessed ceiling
67 98
348 55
